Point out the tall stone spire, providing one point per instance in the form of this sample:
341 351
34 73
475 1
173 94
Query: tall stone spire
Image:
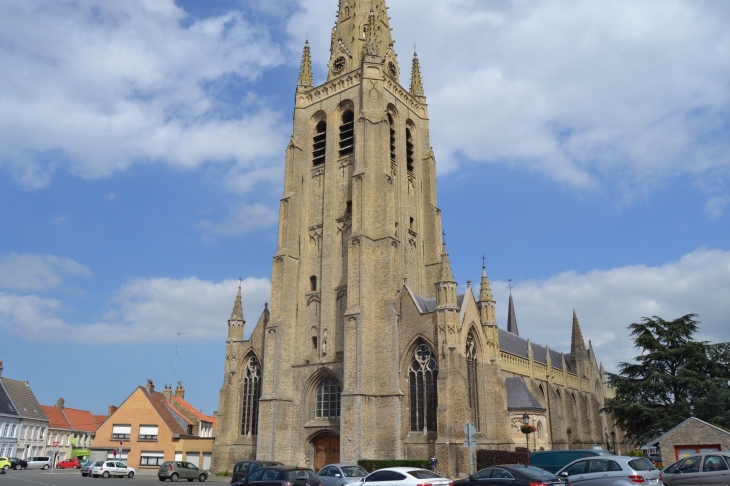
445 274
486 303
416 83
236 322
511 318
306 80
578 352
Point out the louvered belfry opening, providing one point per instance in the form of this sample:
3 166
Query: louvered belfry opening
251 395
347 133
409 150
392 137
320 143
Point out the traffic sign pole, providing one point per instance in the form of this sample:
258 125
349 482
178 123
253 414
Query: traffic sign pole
470 442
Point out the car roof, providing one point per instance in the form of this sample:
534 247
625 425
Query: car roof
402 469
342 464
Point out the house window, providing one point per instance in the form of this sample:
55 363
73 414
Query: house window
472 379
409 150
424 395
251 394
328 399
347 133
121 432
151 458
319 143
147 432
114 454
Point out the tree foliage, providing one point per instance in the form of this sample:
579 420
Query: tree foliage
672 374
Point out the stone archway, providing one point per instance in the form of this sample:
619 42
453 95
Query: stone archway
326 451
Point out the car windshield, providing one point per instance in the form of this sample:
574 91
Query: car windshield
424 474
534 472
354 472
641 465
301 475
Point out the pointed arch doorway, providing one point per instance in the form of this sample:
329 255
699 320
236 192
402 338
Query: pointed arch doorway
326 451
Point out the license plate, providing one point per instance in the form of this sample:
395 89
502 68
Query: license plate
653 481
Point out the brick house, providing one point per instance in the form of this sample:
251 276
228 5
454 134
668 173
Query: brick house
690 437
149 431
72 428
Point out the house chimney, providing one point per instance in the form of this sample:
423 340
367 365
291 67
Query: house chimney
150 386
60 403
1 368
112 409
168 392
180 391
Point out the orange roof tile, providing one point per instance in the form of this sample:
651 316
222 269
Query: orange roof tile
198 414
81 419
56 417
159 401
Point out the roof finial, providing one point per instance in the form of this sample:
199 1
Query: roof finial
305 73
416 82
510 287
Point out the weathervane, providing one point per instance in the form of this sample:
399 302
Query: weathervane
510 287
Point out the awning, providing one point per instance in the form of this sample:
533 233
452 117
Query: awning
80 453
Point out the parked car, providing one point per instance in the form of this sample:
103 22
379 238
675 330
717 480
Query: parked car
707 468
510 476
243 468
406 476
16 463
554 461
39 462
112 468
86 470
5 463
611 471
174 470
341 474
69 463
280 476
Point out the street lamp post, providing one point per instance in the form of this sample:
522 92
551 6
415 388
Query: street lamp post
613 441
527 429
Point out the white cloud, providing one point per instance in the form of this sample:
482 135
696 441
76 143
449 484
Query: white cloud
607 301
98 86
144 310
242 219
591 94
37 272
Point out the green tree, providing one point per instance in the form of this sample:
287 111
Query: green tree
673 377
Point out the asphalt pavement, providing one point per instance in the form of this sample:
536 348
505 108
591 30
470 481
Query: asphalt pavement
37 477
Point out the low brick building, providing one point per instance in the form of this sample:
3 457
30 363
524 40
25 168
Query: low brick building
690 437
149 431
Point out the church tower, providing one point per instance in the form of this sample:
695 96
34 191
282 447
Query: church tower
358 218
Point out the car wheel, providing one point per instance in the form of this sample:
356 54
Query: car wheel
202 478
130 475
105 475
174 477
17 466
5 468
45 466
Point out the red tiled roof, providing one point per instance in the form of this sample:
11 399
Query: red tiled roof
100 419
81 419
197 413
56 417
159 402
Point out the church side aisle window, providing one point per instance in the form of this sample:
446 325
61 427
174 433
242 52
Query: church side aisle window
251 395
328 399
347 133
424 396
471 376
319 143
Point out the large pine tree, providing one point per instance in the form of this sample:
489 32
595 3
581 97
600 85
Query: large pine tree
673 378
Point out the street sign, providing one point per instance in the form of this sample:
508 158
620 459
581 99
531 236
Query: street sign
470 443
55 444
469 429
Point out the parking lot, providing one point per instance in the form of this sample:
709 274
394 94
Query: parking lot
74 478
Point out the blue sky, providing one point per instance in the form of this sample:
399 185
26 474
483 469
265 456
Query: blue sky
583 148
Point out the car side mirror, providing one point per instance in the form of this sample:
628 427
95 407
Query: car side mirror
563 474
338 475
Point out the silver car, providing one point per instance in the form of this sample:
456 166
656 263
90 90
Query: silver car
700 469
341 474
611 471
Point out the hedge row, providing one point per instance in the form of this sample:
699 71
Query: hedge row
373 465
487 458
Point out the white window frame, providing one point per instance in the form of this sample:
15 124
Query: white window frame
151 458
148 432
121 431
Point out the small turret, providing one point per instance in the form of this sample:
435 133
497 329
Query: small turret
236 322
578 352
416 82
511 317
446 286
486 304
306 80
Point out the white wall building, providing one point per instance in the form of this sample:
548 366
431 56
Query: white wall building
33 426
9 422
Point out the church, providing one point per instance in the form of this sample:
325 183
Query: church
368 350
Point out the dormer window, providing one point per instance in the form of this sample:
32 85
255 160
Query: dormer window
347 133
319 145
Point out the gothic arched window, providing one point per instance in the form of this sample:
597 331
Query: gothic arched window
319 145
409 150
391 122
424 395
251 395
472 379
328 399
347 133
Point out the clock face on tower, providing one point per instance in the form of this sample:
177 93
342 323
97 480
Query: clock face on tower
339 64
391 69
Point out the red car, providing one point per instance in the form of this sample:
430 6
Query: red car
69 463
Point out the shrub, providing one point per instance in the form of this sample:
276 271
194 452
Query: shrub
371 465
635 453
488 458
223 473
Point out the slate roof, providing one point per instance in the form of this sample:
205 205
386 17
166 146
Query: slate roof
429 305
519 397
514 344
24 400
197 413
6 404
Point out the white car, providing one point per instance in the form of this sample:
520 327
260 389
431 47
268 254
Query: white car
112 468
405 476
